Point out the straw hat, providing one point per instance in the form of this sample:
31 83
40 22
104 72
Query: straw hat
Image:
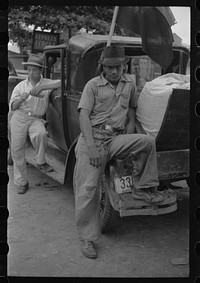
34 60
113 55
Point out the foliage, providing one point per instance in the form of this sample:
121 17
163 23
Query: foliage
23 19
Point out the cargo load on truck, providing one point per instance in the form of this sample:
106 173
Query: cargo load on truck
154 97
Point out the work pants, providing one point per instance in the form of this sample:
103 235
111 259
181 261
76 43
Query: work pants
22 126
87 177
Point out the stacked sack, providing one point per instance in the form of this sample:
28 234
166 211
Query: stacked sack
153 100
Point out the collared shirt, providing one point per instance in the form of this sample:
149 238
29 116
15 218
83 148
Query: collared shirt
33 104
107 104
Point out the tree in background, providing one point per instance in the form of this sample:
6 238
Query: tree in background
22 20
66 20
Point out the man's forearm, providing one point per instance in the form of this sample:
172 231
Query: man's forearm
15 104
86 128
53 85
130 126
131 115
38 90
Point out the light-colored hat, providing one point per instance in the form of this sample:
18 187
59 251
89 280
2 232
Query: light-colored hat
114 55
34 60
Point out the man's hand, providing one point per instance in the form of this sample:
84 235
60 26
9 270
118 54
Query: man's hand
25 95
95 158
36 90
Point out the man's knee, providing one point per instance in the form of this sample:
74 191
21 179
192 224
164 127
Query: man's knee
42 132
148 141
39 134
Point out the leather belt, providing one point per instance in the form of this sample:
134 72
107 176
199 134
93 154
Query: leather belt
30 114
109 128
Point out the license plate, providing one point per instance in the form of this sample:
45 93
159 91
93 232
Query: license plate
123 184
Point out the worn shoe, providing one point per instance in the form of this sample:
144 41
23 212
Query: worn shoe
22 189
88 249
45 167
158 197
150 195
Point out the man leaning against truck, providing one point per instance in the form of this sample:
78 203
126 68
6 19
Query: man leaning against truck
107 121
29 102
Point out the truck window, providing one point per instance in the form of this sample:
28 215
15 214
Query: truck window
56 70
144 69
54 67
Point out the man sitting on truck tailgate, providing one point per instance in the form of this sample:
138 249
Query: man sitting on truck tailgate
29 102
107 122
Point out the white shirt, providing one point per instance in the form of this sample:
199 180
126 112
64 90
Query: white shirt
33 104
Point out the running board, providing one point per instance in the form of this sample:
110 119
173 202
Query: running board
54 157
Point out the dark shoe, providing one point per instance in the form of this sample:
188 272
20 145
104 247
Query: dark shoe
22 189
88 249
45 167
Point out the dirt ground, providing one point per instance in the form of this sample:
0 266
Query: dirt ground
43 241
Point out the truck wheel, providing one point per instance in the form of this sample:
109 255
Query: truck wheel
108 215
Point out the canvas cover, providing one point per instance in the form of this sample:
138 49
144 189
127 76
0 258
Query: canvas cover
153 100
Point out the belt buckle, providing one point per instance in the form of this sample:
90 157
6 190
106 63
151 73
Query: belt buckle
108 128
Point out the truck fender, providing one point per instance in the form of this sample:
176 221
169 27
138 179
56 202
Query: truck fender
70 163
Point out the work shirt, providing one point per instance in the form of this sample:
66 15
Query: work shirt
107 104
37 106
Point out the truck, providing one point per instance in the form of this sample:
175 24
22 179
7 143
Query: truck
75 63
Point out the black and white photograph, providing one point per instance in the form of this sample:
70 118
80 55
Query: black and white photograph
99 141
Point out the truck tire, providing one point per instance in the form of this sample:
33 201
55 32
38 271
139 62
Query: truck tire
108 215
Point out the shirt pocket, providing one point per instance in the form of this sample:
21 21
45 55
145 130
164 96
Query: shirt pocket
124 101
103 103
